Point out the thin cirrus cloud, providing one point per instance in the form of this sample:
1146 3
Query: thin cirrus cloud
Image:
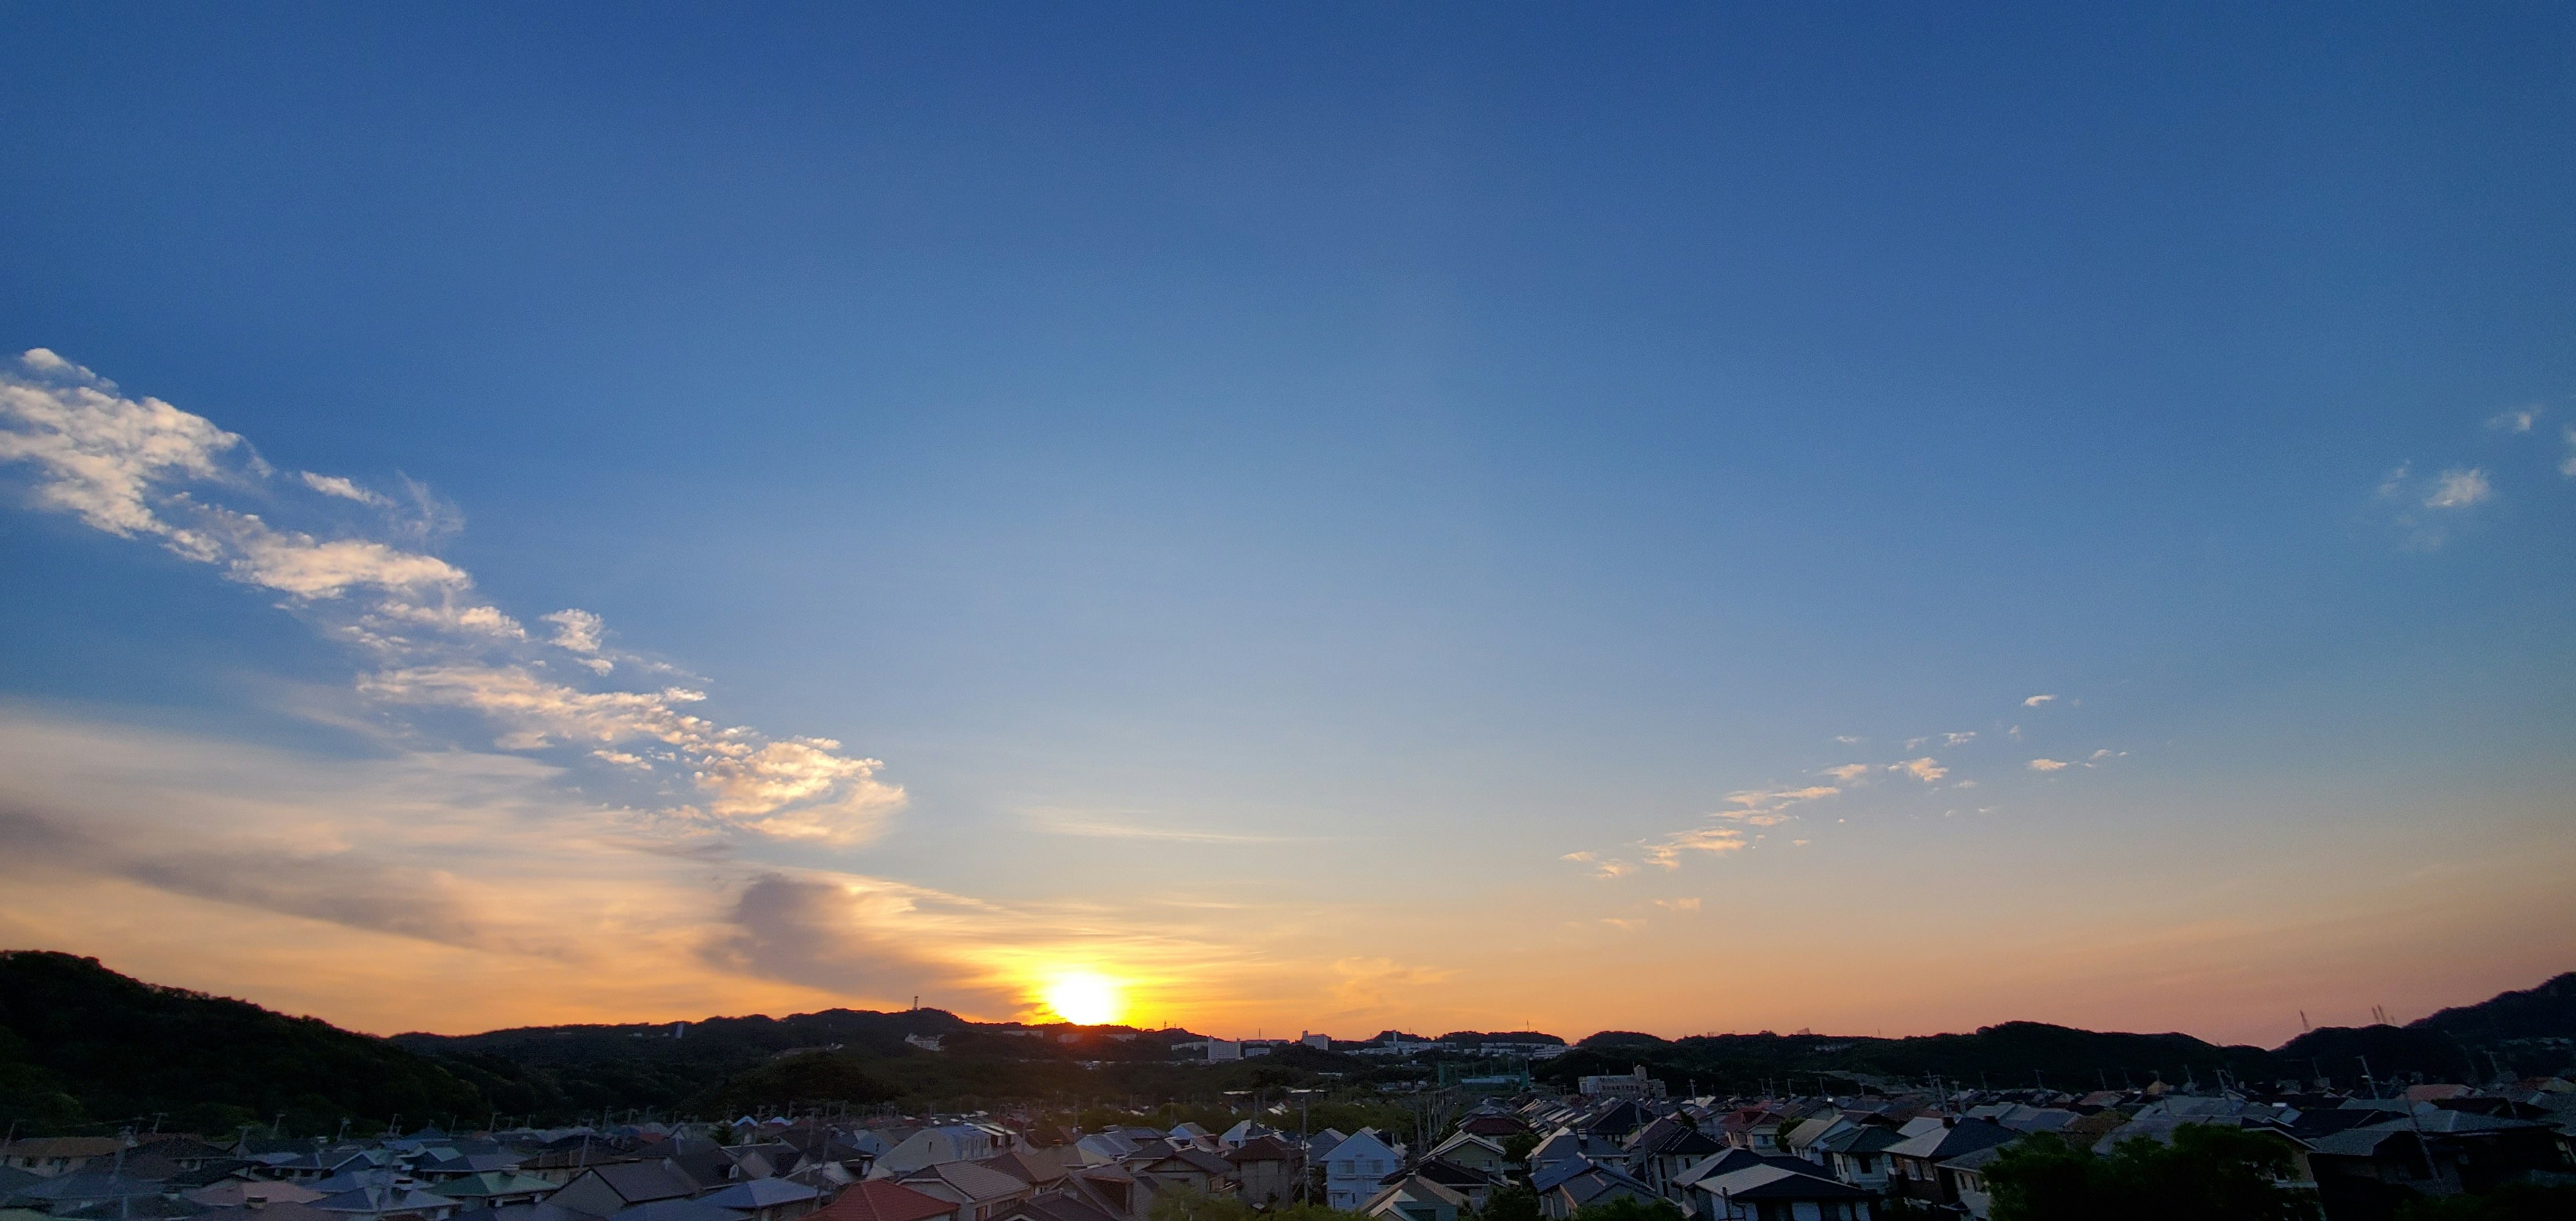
141 468
2459 488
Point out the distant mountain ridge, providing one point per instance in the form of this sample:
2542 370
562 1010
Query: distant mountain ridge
84 1048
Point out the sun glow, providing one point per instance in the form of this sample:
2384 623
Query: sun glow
1085 998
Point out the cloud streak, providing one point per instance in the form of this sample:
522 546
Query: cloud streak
141 468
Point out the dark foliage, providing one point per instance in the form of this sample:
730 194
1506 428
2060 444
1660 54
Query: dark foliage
2209 1173
86 1049
2514 1202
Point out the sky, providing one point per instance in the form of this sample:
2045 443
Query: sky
1338 517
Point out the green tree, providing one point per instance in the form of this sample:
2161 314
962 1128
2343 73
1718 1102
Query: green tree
1629 1208
2209 1173
1515 1202
2511 1202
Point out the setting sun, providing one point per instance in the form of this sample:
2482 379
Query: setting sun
1085 998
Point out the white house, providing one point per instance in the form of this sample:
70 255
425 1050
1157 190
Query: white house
1353 1168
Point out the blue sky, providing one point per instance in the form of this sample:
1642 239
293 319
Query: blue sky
1271 488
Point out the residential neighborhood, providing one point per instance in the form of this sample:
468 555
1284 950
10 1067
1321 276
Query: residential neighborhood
1529 1154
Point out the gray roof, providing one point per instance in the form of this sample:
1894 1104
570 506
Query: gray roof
760 1193
1780 1183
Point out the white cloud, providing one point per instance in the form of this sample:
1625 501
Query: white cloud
576 630
2037 700
2047 765
141 468
1847 739
2458 489
1769 807
1716 841
335 485
1926 769
1848 773
104 457
1958 739
2567 466
2519 419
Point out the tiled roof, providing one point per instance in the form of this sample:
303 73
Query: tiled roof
884 1200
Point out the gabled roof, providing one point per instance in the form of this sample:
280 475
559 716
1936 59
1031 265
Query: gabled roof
1732 1160
679 1210
373 1200
1262 1149
756 1194
1966 1136
977 1183
1034 1169
1780 1183
884 1200
494 1183
645 1182
1054 1208
1414 1187
1452 1175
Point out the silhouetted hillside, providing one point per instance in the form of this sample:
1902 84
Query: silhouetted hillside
82 1046
2545 1012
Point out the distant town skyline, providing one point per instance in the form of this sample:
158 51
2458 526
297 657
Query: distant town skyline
1873 521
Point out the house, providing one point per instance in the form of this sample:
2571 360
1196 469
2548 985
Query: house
1415 1198
932 1146
766 1199
678 1210
1773 1192
1665 1148
387 1202
1266 1171
1571 1189
978 1191
257 1193
1632 1084
47 1156
1915 1172
1477 1185
1062 1206
1353 1168
495 1188
1189 1168
885 1200
1857 1154
1474 1152
1967 1174
605 1191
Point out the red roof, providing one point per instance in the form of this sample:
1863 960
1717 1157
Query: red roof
885 1200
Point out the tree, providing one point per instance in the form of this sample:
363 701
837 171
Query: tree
2209 1173
1515 1202
2511 1202
1629 1208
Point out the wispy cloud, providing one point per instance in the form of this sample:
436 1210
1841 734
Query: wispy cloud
2567 465
1926 769
2048 765
2037 700
1715 841
141 468
2459 488
1770 807
1848 773
1121 824
2519 419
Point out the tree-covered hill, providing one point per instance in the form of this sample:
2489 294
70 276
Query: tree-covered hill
84 1047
